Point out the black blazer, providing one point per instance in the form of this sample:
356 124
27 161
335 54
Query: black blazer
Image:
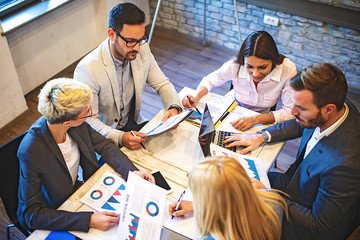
45 182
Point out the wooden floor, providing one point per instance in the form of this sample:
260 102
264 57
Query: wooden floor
185 62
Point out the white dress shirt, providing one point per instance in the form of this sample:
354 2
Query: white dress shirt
262 97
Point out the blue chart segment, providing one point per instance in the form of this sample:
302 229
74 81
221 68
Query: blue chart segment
133 226
113 203
152 209
96 194
107 206
252 167
122 187
109 181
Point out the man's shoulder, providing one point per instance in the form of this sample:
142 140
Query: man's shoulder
95 57
144 53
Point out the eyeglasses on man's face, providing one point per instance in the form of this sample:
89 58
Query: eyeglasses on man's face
132 43
89 113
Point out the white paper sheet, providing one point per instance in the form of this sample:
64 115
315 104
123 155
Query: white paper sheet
187 226
105 195
250 164
168 124
142 210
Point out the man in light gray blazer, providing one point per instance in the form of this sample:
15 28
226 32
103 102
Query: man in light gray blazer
117 71
323 184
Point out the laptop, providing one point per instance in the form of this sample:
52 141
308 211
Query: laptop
208 133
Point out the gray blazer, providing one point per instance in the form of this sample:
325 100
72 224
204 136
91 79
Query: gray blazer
45 182
324 189
97 70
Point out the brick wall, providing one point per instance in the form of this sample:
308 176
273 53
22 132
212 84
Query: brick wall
351 4
302 40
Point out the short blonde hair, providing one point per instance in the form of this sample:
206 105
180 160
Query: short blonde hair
63 99
226 205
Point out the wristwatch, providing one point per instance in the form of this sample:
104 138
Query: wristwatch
177 107
265 135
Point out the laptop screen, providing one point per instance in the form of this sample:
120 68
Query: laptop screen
207 131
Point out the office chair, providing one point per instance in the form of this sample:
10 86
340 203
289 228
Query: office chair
9 182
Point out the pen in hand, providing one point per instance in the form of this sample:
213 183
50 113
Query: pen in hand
179 202
192 104
132 133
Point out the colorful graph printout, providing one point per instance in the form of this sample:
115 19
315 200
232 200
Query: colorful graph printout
250 164
142 210
106 194
133 226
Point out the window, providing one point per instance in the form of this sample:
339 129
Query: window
9 6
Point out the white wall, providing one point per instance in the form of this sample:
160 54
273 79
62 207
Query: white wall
40 49
12 101
46 46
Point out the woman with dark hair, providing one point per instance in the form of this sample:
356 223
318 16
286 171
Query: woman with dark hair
260 75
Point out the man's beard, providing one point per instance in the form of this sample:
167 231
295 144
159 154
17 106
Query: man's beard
312 123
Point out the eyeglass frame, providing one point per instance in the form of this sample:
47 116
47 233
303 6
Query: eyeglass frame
87 116
136 42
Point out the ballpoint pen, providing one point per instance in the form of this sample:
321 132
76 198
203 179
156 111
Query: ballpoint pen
139 142
179 202
192 104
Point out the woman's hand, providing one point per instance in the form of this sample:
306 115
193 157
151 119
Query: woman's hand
256 183
244 123
104 220
145 175
186 102
186 207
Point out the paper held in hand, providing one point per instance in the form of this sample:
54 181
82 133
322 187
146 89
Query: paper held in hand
169 123
141 210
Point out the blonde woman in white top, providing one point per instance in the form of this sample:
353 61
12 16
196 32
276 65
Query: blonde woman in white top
260 75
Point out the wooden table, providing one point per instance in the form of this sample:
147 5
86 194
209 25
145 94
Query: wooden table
174 153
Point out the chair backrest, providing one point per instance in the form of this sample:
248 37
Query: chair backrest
9 178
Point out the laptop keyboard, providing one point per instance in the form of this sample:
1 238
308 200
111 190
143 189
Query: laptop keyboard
221 139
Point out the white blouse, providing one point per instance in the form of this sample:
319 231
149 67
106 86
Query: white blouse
262 97
71 154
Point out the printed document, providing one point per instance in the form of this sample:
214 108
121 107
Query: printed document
105 195
142 210
169 123
187 226
250 164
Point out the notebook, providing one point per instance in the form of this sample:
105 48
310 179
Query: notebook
208 133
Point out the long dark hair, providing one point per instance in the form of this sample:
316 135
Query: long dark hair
260 44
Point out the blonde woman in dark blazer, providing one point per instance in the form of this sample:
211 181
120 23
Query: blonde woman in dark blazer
53 150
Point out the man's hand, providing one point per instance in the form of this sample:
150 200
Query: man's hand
244 123
250 141
104 220
145 175
186 207
169 113
133 142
